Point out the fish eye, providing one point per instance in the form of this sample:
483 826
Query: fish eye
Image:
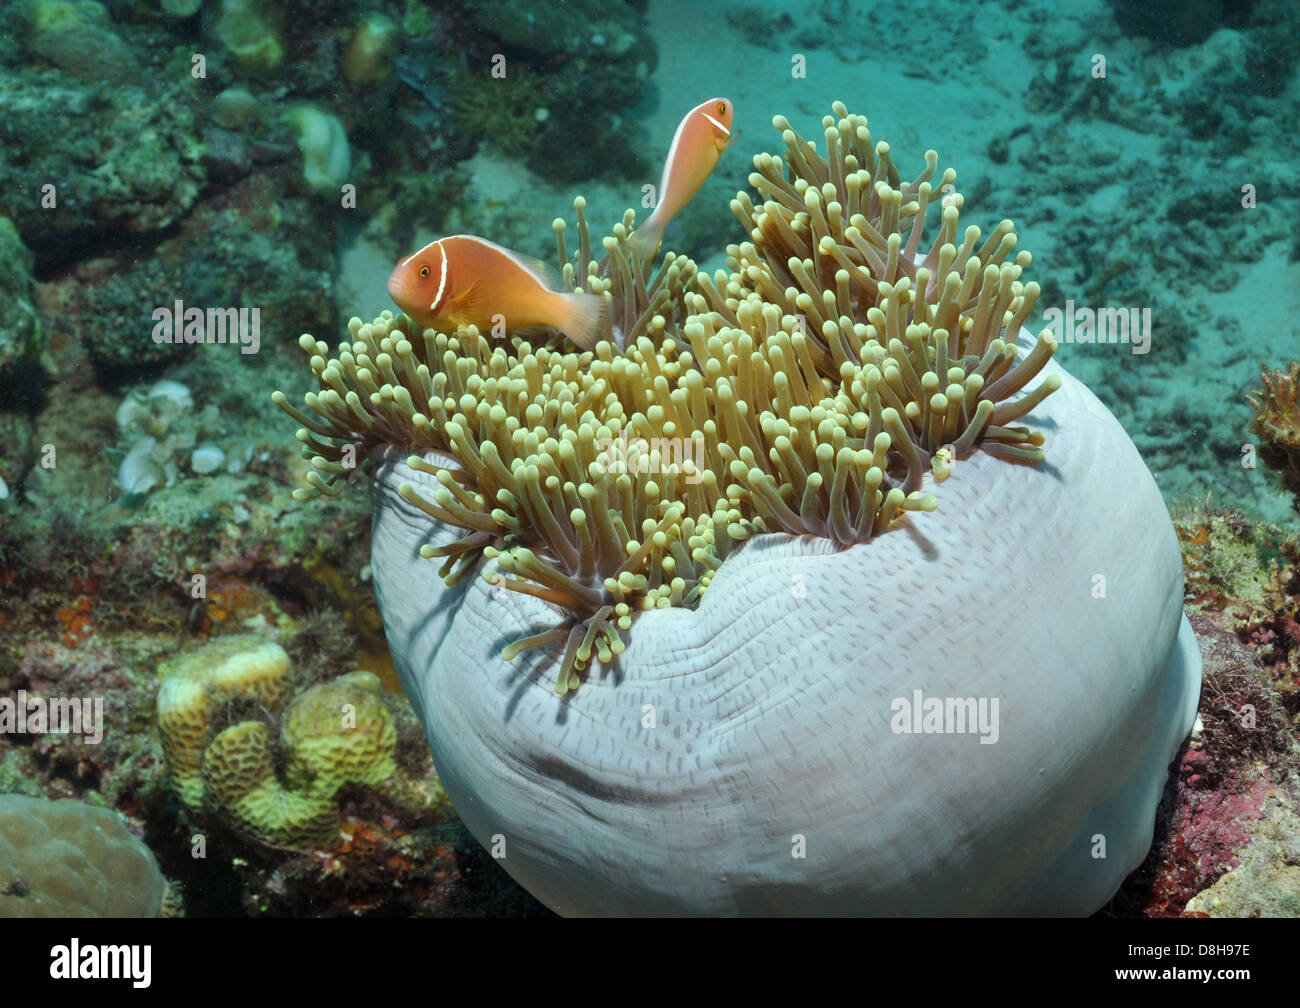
722 108
424 271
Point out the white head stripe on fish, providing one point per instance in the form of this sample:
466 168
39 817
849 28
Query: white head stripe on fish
442 280
725 131
420 252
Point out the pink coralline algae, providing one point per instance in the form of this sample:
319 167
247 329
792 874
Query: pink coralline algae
1215 823
1235 764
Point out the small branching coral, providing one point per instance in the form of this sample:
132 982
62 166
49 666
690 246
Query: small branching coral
1277 424
806 390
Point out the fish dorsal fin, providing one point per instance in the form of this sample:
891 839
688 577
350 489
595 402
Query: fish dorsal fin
540 271
536 267
544 272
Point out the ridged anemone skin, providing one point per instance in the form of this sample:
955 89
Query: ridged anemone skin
1055 588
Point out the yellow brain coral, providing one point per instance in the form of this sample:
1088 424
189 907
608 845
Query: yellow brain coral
339 733
330 735
199 684
240 782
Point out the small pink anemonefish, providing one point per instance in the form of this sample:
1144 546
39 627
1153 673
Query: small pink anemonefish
465 280
701 137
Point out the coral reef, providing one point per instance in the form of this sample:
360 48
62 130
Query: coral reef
1247 576
537 101
21 335
17 449
160 433
367 59
166 184
1267 881
1277 424
63 32
508 115
198 685
70 859
239 784
136 176
1222 828
327 159
264 242
339 733
89 609
1235 782
128 160
1225 558
392 861
1272 625
236 108
252 31
22 338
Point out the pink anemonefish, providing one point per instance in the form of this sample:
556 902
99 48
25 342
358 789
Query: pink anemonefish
701 138
464 280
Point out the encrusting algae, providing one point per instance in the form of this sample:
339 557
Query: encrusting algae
806 389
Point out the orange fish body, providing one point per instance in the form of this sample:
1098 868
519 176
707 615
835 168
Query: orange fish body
701 137
465 280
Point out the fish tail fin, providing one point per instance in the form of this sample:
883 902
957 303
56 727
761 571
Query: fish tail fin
583 314
644 242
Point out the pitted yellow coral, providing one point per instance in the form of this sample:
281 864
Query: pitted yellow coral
330 735
200 683
338 733
240 782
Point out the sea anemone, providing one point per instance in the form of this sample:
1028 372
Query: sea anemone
715 505
899 360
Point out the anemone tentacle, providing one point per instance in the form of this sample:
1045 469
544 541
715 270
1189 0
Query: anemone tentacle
805 390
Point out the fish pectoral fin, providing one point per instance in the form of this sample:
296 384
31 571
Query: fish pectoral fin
468 308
